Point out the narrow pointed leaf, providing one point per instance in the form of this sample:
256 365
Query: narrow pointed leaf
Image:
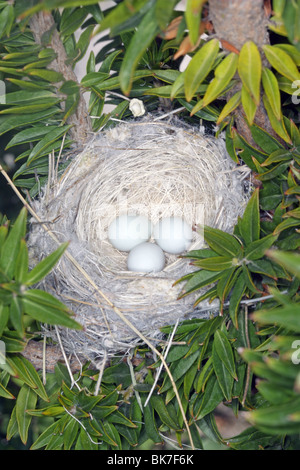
282 62
272 91
10 248
144 35
193 16
199 67
218 263
249 225
224 350
278 125
221 242
290 261
249 106
256 249
27 399
25 371
236 297
230 106
249 68
47 312
45 266
225 379
224 72
47 140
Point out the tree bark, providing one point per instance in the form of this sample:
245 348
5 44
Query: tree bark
239 21
41 23
34 352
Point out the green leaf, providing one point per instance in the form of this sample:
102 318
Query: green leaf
144 35
71 23
45 266
120 14
197 280
16 315
224 72
179 369
236 297
287 316
291 19
217 263
12 427
249 105
6 20
278 419
4 316
263 267
159 406
199 67
286 224
281 62
48 75
26 372
256 250
45 308
193 17
45 437
21 268
18 98
49 139
249 224
29 135
272 91
10 248
164 11
266 142
150 425
290 261
278 126
230 106
26 400
11 122
225 379
249 68
224 351
93 79
210 399
4 393
280 155
221 242
291 51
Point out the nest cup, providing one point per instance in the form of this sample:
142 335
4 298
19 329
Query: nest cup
145 167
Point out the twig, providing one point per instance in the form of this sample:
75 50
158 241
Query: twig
137 395
161 366
101 370
178 110
82 425
65 358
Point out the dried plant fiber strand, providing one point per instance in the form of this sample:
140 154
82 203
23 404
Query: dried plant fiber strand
146 167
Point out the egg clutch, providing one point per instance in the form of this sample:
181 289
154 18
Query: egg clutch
132 234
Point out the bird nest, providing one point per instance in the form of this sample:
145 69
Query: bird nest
145 167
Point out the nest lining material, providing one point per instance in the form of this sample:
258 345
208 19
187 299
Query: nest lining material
146 167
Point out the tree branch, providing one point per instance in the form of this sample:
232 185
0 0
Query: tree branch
237 22
41 23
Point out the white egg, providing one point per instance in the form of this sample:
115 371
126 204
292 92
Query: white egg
173 235
146 258
128 231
